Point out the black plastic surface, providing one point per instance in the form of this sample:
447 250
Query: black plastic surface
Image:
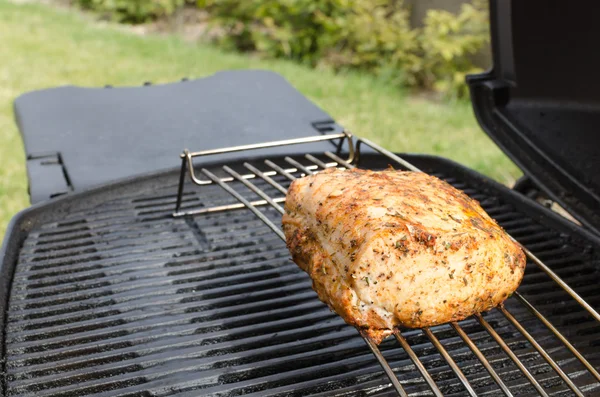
541 101
51 179
104 134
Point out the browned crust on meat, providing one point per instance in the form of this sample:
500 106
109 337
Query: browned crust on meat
345 219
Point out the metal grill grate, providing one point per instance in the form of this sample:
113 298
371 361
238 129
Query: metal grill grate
267 185
115 297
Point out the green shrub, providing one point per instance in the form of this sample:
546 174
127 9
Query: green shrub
287 28
448 43
132 11
370 35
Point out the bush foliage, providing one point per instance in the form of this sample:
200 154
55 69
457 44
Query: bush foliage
133 11
448 44
369 35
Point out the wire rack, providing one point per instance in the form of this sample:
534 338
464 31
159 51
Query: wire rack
272 176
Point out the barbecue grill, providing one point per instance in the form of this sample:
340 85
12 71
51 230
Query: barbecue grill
178 282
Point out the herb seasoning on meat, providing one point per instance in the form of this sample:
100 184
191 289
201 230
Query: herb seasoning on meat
345 227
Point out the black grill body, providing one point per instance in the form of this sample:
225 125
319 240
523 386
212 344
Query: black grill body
106 294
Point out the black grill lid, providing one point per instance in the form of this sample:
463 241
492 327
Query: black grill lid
541 101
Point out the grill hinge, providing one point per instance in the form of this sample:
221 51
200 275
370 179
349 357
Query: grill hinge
48 176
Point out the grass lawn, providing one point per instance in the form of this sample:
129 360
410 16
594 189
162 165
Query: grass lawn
44 47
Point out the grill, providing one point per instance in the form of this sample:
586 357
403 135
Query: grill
116 294
179 283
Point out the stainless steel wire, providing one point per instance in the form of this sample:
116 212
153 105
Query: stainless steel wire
315 166
486 364
298 165
541 351
384 364
557 333
511 355
455 368
267 178
252 187
413 357
560 282
318 162
241 198
280 170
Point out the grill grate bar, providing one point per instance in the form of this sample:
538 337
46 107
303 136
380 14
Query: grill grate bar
561 283
227 207
455 368
311 169
386 153
298 165
266 178
318 162
511 354
246 203
386 367
280 170
481 358
557 333
541 350
253 187
400 338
